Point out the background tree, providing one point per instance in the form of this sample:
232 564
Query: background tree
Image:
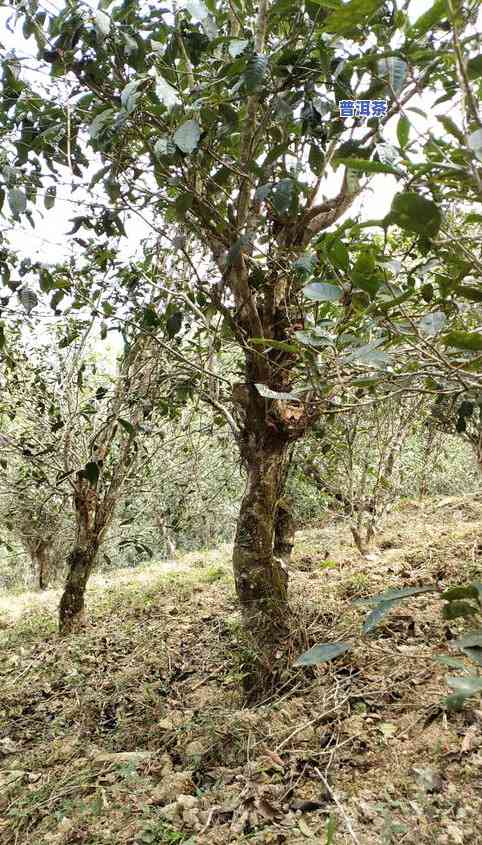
80 433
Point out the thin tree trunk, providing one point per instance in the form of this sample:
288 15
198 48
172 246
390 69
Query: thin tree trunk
43 569
80 564
38 552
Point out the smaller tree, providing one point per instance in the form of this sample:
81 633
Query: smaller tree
76 435
358 463
40 527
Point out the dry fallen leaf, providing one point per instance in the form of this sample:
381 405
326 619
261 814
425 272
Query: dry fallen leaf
268 810
274 757
305 830
470 740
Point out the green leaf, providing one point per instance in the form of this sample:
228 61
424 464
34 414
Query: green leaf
187 136
28 298
310 339
395 595
339 254
100 122
415 213
129 97
430 18
471 341
471 640
56 298
475 143
474 67
465 686
330 828
274 344
376 615
68 339
474 653
49 198
346 18
166 93
184 203
126 425
369 354
305 264
470 293
102 24
321 653
362 165
91 472
467 592
327 4
403 131
174 323
150 318
17 200
453 662
456 609
282 195
316 159
263 191
454 702
131 45
451 127
322 292
255 72
236 47
432 323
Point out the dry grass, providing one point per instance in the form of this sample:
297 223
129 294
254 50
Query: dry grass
361 745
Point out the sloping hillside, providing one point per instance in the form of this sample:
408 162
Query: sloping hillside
135 732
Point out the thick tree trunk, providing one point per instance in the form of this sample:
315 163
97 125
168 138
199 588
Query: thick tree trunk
261 577
80 564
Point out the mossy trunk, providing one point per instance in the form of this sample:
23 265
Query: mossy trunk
79 567
284 531
261 576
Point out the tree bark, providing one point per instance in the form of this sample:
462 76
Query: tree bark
41 564
261 577
71 610
284 531
43 568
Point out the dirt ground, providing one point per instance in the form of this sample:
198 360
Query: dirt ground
135 731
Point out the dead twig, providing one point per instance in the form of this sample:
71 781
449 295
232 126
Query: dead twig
339 807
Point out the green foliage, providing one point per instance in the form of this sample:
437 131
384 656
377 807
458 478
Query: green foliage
415 213
187 136
321 653
465 686
322 292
